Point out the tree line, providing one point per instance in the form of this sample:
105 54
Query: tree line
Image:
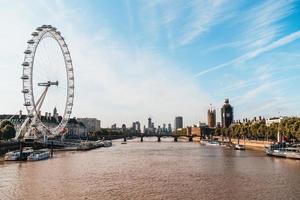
289 128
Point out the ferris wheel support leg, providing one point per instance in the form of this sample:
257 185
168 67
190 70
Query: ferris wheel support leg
26 123
41 100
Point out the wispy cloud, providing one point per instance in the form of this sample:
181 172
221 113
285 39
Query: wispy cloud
262 22
184 20
252 54
203 16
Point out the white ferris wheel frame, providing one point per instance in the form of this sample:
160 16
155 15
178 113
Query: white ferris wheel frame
27 78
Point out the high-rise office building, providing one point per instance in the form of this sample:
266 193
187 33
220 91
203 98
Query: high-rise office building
226 114
178 122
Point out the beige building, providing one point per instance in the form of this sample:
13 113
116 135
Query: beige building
92 124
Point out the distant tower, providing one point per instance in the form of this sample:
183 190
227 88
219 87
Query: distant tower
55 114
226 114
178 122
123 127
164 128
134 126
169 128
138 126
20 114
149 123
211 117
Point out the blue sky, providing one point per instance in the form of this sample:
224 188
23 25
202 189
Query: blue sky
162 58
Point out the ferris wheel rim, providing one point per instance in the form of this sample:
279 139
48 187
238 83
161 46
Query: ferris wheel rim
27 77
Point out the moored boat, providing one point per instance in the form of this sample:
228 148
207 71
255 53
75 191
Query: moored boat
40 154
107 143
279 150
239 147
12 156
16 155
292 152
210 142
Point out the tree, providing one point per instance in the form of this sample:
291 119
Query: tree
7 130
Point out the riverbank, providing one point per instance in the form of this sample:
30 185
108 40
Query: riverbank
253 144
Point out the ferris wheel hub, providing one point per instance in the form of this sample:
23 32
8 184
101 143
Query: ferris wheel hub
48 83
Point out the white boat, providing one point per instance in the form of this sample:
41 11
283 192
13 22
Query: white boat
12 156
283 152
107 143
40 154
16 155
211 143
292 152
275 150
239 147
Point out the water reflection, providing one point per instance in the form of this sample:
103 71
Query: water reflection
152 170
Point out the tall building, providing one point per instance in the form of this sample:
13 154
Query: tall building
226 114
211 118
178 122
169 128
164 128
149 123
138 126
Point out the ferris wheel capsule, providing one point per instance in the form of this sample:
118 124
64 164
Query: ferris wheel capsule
30 41
25 64
34 33
25 77
39 29
25 91
27 104
27 51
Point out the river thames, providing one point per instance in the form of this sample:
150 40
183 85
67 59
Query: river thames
152 170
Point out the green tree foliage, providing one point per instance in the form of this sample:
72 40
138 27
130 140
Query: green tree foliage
7 130
288 127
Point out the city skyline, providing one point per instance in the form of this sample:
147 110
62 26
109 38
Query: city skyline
135 59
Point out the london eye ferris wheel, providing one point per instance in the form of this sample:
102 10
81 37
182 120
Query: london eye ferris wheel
47 81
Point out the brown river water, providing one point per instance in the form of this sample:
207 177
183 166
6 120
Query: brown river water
152 170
